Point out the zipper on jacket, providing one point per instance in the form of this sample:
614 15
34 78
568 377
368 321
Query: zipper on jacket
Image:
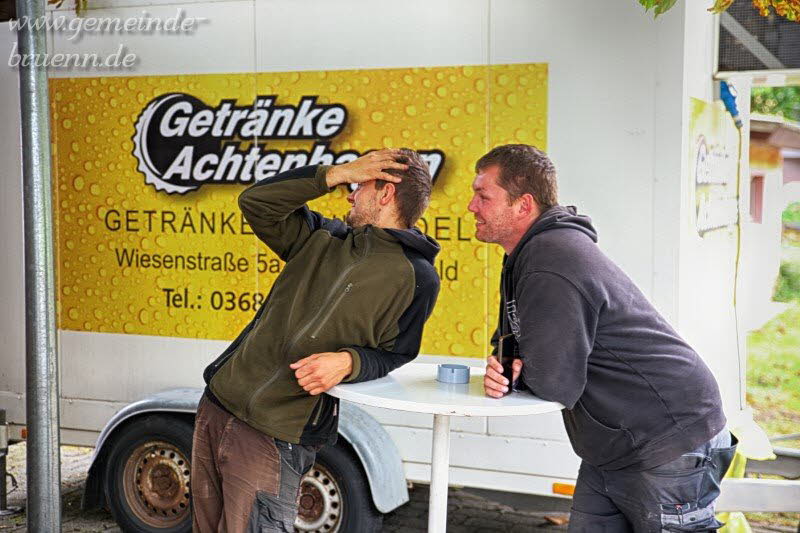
330 310
251 401
216 365
335 289
225 357
318 414
306 326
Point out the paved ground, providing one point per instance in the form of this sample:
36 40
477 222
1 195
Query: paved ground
467 512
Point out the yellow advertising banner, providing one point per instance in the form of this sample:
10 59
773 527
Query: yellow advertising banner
148 169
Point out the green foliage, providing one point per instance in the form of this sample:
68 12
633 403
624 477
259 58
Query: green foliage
659 6
791 215
789 9
720 6
787 288
781 101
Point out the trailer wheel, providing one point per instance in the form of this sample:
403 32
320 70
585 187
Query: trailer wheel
335 495
147 476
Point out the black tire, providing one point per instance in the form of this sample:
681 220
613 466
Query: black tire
335 495
146 477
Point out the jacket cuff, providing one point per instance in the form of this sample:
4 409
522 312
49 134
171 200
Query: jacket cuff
319 177
356 364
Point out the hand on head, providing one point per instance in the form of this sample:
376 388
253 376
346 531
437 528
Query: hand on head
368 167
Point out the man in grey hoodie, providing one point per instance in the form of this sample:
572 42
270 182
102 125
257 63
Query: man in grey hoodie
642 409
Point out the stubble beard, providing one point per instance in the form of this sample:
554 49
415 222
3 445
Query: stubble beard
484 235
493 232
360 218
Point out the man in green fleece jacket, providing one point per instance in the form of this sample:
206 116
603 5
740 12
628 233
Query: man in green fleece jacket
349 305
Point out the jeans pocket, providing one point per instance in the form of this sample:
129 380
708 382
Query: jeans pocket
721 458
270 514
297 457
688 517
685 464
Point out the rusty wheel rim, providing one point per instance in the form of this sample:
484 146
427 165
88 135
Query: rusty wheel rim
156 483
319 504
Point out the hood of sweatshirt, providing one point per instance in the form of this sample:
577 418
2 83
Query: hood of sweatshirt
557 217
416 240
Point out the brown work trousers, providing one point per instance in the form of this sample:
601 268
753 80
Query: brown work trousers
243 481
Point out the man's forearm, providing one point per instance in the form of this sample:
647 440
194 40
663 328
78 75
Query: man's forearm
334 176
374 363
274 208
274 198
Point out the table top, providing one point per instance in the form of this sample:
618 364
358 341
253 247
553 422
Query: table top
413 387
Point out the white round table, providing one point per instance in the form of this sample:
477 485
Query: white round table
413 387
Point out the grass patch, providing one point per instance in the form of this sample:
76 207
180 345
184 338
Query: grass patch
786 520
773 390
773 373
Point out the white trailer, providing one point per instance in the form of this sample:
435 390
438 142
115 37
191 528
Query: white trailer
156 272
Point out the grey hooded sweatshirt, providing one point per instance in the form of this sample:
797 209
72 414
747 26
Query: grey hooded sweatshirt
636 394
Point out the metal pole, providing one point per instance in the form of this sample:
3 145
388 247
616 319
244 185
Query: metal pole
440 470
44 479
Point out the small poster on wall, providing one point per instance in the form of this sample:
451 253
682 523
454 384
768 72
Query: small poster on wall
713 167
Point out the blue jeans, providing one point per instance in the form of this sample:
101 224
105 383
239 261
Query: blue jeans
676 496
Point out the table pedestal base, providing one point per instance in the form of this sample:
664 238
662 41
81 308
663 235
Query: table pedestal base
440 466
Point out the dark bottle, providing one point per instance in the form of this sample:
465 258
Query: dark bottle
507 351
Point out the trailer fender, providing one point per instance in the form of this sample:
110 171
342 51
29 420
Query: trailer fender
370 441
378 454
183 401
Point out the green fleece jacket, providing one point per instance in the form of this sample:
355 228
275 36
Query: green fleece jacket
367 290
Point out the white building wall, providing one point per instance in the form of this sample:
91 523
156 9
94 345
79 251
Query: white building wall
761 246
